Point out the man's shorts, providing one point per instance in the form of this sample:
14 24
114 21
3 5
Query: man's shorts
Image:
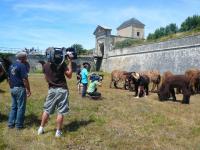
57 99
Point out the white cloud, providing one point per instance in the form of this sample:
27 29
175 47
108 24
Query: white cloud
50 6
85 13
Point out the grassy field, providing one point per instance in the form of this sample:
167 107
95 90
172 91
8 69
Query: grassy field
117 122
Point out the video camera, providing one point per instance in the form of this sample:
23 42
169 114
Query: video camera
58 55
96 77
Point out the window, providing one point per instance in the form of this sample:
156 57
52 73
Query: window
138 33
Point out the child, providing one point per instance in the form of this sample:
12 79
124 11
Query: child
78 77
92 88
84 79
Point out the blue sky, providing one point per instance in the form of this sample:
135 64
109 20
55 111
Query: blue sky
44 23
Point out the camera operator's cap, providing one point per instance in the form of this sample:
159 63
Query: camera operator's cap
135 75
21 54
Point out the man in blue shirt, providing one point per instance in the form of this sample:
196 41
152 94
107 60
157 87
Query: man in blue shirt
84 79
20 90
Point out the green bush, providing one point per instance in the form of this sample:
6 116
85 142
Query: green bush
127 43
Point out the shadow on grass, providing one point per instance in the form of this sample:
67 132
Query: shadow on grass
32 120
177 101
171 100
3 118
96 98
75 125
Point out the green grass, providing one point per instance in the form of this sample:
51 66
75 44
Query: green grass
117 122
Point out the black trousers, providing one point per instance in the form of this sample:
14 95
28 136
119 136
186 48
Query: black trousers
95 94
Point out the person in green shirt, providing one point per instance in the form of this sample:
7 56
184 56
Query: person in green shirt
92 88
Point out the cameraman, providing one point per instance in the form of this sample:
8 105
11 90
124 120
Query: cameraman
58 92
92 88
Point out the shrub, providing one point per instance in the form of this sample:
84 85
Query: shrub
127 43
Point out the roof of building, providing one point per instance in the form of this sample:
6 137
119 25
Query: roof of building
131 22
105 27
100 26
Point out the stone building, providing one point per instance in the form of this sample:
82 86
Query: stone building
130 29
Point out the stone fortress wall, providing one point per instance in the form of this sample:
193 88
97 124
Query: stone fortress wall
175 55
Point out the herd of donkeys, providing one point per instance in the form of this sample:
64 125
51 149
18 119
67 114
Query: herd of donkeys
166 85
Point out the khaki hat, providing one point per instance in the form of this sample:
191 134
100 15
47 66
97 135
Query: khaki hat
21 55
135 75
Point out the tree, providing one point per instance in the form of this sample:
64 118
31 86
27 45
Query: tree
150 36
163 31
79 49
159 32
171 28
190 23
